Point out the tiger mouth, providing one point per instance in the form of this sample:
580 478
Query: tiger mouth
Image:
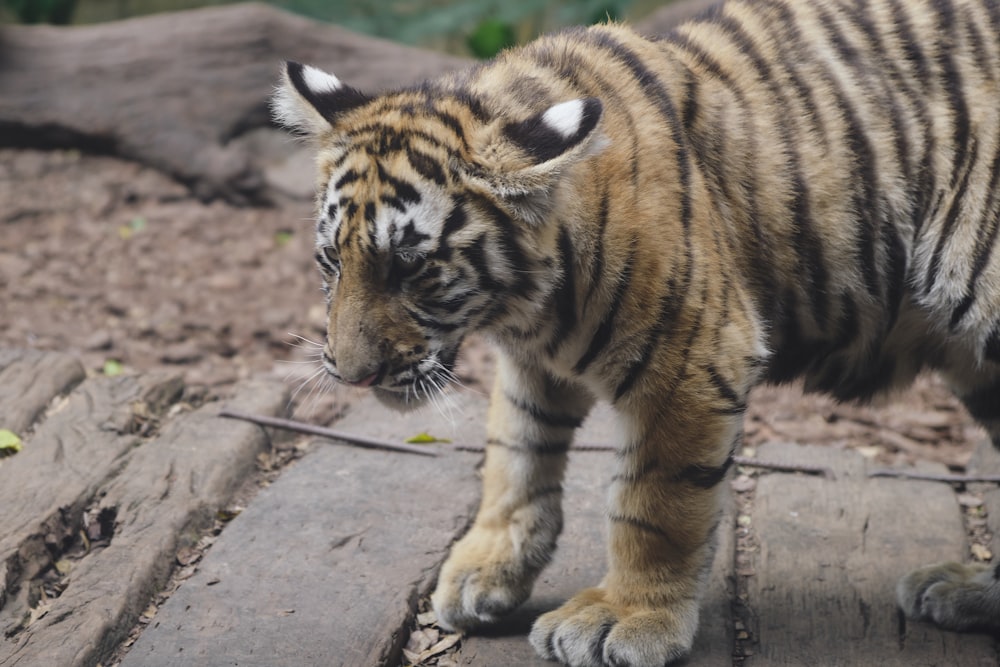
419 388
409 395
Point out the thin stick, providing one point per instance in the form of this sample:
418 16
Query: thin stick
784 467
302 427
739 460
931 477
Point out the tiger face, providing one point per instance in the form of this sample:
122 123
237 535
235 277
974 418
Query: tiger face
429 224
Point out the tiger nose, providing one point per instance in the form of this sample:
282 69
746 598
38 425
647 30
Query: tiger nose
362 379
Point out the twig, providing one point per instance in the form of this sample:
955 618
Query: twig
932 477
302 427
784 467
739 460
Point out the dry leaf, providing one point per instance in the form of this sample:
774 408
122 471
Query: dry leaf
187 556
421 640
981 553
38 612
427 618
440 647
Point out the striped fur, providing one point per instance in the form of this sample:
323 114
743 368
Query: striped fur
780 189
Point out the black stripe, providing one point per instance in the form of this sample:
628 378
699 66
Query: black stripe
436 305
704 477
922 187
475 254
643 526
535 448
428 323
760 246
404 191
671 302
951 80
985 244
508 238
724 388
977 45
897 260
565 293
349 176
543 492
657 94
542 415
427 167
806 241
865 167
605 330
597 266
944 235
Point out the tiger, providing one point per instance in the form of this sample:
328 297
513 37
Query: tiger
776 190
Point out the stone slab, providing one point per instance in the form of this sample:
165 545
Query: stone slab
45 487
326 565
29 380
831 551
166 490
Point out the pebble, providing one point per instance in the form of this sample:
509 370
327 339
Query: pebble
183 353
99 340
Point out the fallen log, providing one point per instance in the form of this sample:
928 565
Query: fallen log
176 91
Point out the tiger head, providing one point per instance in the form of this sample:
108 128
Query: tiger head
432 221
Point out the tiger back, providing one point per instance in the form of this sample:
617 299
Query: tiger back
779 189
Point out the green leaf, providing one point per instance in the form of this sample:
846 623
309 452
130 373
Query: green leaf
425 439
283 237
10 443
112 367
490 38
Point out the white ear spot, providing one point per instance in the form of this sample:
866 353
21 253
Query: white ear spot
319 81
565 118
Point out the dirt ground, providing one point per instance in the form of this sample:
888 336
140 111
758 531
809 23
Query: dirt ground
109 260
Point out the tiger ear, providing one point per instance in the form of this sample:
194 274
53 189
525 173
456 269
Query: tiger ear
543 147
308 100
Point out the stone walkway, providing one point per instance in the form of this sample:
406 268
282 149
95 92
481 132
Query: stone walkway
326 565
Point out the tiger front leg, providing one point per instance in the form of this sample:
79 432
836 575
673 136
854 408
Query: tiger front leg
492 569
665 507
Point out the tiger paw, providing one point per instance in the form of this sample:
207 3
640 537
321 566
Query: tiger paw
591 631
483 579
952 596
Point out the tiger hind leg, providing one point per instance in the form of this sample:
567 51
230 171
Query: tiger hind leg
665 505
956 596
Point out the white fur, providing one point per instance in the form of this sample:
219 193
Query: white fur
319 81
565 118
293 111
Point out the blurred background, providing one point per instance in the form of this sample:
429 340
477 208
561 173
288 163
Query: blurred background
476 28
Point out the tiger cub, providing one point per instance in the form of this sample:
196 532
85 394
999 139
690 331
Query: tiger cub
779 189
